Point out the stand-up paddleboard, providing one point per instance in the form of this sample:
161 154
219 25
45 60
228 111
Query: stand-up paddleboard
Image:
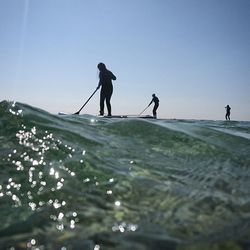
62 113
130 116
118 116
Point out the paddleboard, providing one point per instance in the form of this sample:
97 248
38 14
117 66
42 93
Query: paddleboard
132 116
117 116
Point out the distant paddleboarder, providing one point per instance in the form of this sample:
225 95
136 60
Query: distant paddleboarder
156 104
105 82
228 109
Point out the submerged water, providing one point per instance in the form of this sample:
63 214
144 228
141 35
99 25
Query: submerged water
85 182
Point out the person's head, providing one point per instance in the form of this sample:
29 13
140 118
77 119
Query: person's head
153 95
101 66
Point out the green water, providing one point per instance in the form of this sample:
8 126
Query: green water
85 182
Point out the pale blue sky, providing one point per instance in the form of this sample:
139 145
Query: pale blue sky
193 54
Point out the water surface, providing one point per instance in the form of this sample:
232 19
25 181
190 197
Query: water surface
86 182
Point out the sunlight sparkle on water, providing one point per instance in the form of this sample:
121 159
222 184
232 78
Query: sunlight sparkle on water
60 216
117 203
72 224
124 227
97 247
86 180
60 227
18 112
31 243
109 192
35 163
42 175
59 185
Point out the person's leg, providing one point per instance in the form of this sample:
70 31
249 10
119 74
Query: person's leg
102 98
108 98
154 110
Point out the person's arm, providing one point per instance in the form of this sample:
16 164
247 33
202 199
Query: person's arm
113 77
150 103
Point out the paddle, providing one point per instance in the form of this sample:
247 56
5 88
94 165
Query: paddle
144 110
78 112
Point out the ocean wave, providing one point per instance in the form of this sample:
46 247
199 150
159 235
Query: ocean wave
83 182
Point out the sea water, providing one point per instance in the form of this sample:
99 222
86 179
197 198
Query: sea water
86 182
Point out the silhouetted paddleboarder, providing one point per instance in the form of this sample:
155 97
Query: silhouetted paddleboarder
227 116
105 81
156 102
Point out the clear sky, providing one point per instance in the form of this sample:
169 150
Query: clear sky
193 54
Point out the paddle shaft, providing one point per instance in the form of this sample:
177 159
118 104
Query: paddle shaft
143 110
78 112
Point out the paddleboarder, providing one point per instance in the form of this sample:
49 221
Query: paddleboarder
105 81
227 116
156 104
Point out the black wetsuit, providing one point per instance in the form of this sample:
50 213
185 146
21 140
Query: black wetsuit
228 113
106 78
156 101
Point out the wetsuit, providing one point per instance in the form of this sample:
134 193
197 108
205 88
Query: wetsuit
106 78
228 113
156 101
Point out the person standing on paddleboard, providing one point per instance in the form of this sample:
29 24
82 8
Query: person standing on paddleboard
228 109
156 101
105 81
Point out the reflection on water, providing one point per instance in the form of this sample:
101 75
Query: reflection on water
81 182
